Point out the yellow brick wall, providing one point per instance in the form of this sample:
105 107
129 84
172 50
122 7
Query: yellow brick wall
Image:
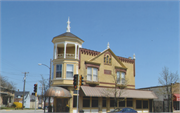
106 78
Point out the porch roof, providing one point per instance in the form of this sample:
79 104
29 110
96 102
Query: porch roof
123 93
57 92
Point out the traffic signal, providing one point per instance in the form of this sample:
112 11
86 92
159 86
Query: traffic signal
35 88
33 93
75 81
81 80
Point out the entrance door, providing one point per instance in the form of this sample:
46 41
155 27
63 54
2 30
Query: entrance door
5 99
61 105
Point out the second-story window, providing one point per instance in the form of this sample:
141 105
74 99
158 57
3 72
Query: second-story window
69 71
89 73
95 74
120 77
59 71
92 74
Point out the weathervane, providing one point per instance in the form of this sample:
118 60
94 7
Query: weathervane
108 46
68 25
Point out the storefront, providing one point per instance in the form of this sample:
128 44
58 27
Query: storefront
61 98
176 101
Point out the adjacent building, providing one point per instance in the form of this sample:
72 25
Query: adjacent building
33 101
168 97
6 97
19 98
104 73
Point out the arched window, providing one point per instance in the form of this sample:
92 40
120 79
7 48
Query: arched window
104 59
107 59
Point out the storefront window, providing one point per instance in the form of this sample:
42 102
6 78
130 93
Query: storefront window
122 103
86 102
104 103
112 103
145 104
75 101
138 104
129 103
94 102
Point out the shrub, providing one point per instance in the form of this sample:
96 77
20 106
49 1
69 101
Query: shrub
18 105
13 105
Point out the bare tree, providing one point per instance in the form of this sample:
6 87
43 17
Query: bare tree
45 86
6 84
167 80
118 90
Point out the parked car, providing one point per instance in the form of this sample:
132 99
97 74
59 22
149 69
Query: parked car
123 110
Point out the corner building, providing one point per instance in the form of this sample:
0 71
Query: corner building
100 70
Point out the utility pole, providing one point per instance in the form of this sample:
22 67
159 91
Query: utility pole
24 88
50 82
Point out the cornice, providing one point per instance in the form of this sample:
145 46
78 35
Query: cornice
89 52
126 60
89 62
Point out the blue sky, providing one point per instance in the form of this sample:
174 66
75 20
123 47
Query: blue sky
150 29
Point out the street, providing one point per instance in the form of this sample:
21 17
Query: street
21 111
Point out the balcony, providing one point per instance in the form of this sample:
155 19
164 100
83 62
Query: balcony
68 56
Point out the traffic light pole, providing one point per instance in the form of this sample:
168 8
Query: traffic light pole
35 103
77 94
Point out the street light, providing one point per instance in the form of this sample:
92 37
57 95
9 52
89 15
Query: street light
49 75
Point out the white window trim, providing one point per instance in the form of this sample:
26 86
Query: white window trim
92 74
121 81
61 72
72 71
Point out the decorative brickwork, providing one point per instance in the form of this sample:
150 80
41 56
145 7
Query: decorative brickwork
120 70
126 60
92 65
107 72
89 52
94 53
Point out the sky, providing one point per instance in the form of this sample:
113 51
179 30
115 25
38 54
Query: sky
148 29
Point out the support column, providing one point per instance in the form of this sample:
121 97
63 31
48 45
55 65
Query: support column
71 101
78 52
100 104
65 49
108 104
75 54
55 52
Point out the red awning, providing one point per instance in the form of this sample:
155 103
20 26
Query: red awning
176 97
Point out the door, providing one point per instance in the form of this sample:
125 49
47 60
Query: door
61 105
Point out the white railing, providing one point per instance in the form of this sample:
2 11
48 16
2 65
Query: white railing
68 55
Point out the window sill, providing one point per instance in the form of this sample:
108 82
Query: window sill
92 82
63 79
122 86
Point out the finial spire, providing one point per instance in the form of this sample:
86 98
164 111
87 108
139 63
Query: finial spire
134 57
68 25
108 46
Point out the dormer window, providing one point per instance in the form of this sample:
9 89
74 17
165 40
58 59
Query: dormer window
107 60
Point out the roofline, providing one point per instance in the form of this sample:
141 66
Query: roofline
155 86
105 50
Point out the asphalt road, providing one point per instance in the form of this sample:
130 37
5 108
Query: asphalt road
21 111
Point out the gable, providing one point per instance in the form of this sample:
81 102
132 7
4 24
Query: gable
113 59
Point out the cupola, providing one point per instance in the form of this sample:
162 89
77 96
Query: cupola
66 45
